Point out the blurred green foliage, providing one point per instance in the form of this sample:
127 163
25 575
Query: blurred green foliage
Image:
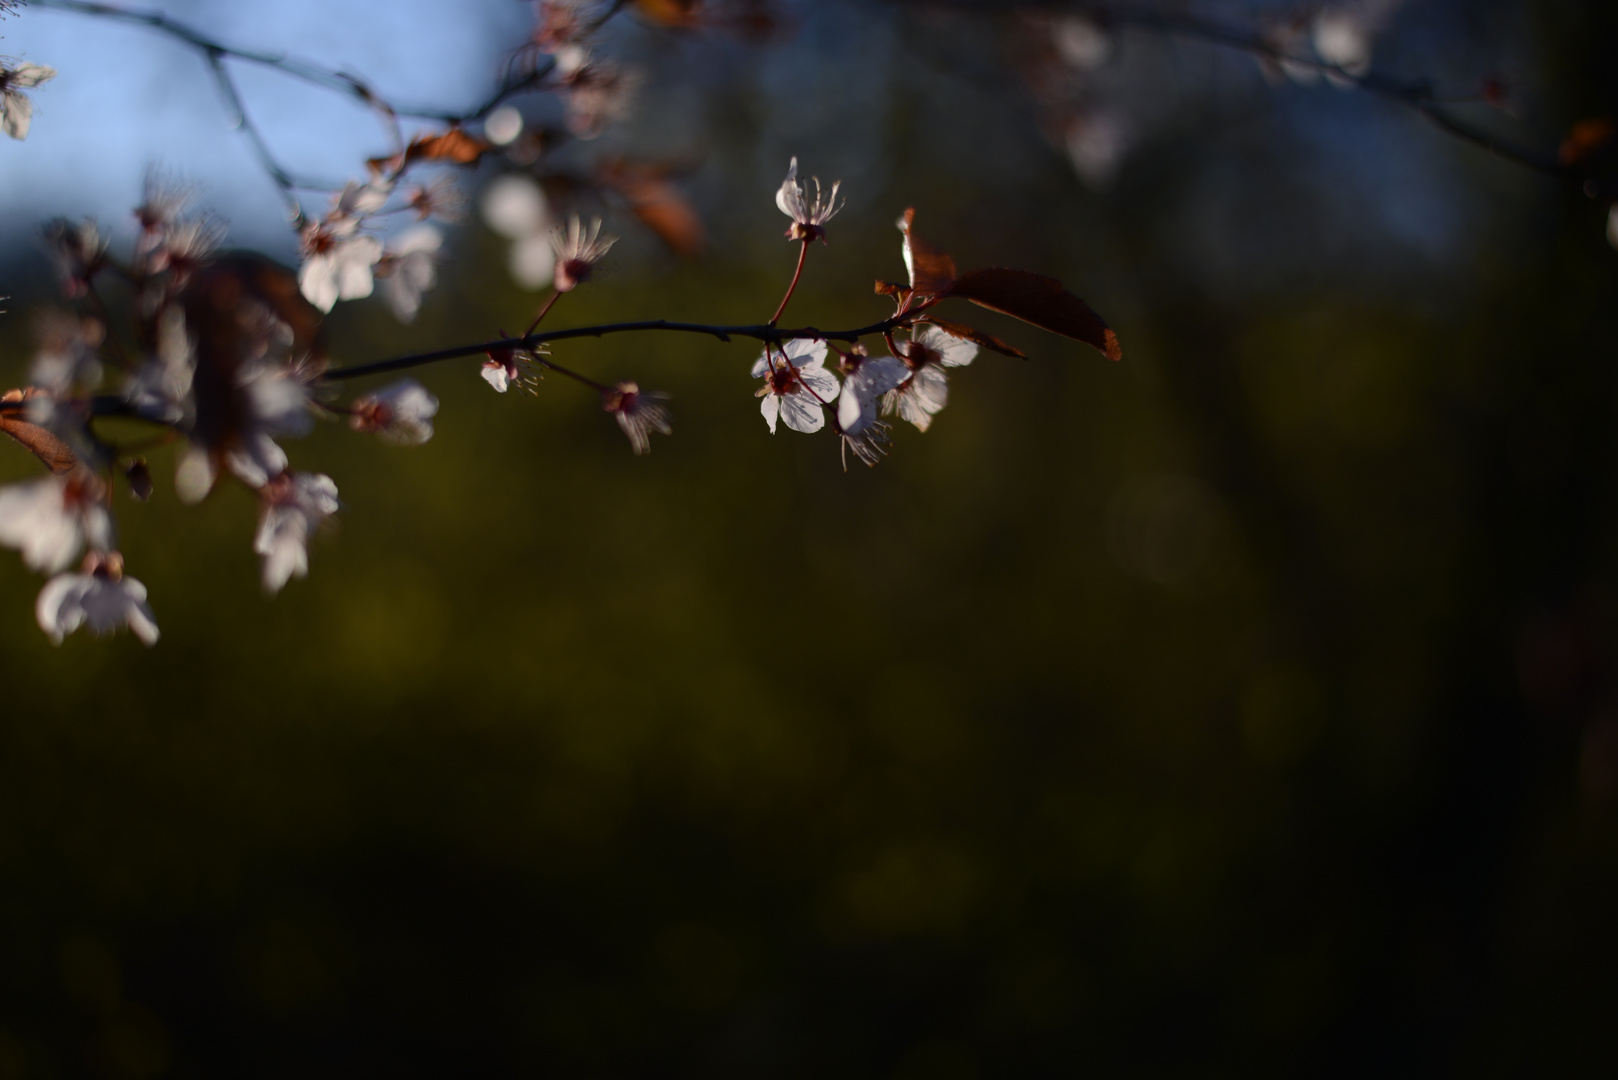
1240 709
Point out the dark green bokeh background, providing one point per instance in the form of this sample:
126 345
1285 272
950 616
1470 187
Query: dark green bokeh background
1241 709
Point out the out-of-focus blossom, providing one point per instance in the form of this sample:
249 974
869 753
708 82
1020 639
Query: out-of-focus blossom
165 201
104 598
506 368
78 251
337 262
577 251
502 126
51 519
16 111
796 385
294 504
868 378
68 356
401 412
1343 34
161 389
515 207
639 413
809 216
1612 225
409 268
359 198
1096 145
597 91
440 197
184 245
919 397
1082 44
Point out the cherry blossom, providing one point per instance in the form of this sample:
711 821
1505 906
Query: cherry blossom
401 412
103 597
506 368
870 445
78 251
294 504
67 357
796 385
409 269
515 207
16 111
51 519
337 262
868 378
918 397
639 413
809 216
577 252
930 345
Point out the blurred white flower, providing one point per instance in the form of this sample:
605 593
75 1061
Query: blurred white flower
639 413
16 111
104 598
1343 34
796 385
1096 145
1612 225
515 207
1081 43
409 268
401 412
294 504
809 216
68 357
51 519
502 126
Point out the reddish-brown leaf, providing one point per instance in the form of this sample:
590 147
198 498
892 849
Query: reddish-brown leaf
968 333
1586 137
455 145
677 14
1041 301
56 455
931 271
656 202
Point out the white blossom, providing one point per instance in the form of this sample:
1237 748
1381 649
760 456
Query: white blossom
918 397
16 111
294 504
639 413
401 412
930 345
409 269
577 251
51 519
796 385
873 377
515 207
337 262
809 216
106 601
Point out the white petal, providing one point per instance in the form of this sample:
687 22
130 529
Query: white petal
533 261
496 376
805 352
822 382
802 413
761 366
58 611
18 111
317 280
770 406
195 475
952 351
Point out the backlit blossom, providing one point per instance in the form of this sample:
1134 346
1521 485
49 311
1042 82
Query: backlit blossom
918 397
409 268
639 413
506 368
68 353
930 345
400 413
104 599
809 216
337 262
294 504
796 385
869 377
16 111
51 519
577 251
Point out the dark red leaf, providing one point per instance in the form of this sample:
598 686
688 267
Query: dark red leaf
656 201
455 146
55 453
967 333
1041 301
931 271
